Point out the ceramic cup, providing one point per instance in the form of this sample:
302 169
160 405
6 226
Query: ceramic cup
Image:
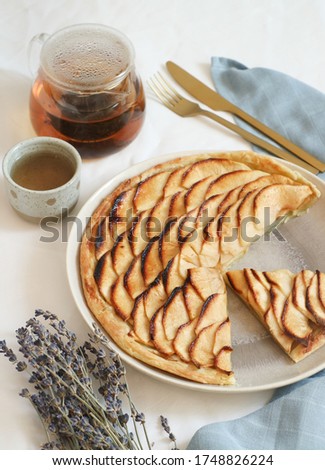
37 204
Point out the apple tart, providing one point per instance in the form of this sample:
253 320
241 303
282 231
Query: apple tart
152 252
290 306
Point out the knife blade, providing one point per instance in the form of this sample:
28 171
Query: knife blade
215 101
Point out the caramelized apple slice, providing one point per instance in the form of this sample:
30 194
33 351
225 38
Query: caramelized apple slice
229 200
158 336
211 231
103 240
187 226
193 300
209 167
141 323
122 206
280 199
137 235
299 292
222 360
175 313
105 276
188 257
151 265
231 180
208 343
209 210
118 227
209 255
171 275
168 242
121 300
184 338
278 300
313 302
149 191
206 281
195 196
230 247
264 202
174 182
214 310
272 323
258 295
133 279
222 337
247 221
159 214
238 282
161 209
201 349
177 205
263 181
282 279
261 278
121 254
294 322
154 297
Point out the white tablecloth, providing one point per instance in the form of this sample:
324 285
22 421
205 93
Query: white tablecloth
287 35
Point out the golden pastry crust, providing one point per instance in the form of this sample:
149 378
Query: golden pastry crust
118 262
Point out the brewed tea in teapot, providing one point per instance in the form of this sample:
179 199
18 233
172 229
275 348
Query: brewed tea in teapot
87 91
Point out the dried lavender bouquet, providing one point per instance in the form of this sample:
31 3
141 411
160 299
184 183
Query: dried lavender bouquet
79 392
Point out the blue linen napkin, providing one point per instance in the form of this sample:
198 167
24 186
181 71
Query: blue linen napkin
293 419
285 104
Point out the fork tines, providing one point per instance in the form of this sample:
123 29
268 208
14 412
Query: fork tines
164 90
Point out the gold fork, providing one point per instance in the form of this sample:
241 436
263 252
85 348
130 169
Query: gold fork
186 108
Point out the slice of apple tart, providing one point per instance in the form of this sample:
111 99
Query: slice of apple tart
290 306
186 332
197 211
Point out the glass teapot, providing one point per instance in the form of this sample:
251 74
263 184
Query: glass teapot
86 90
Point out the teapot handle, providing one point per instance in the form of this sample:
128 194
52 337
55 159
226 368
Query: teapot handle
34 47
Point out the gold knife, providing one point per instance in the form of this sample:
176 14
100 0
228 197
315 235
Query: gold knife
215 101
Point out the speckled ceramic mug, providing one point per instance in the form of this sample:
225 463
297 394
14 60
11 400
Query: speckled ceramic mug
37 204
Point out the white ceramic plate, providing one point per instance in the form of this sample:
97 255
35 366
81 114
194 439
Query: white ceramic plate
259 364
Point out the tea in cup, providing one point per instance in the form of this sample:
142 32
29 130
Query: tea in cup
42 177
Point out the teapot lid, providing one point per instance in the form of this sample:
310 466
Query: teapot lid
87 57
